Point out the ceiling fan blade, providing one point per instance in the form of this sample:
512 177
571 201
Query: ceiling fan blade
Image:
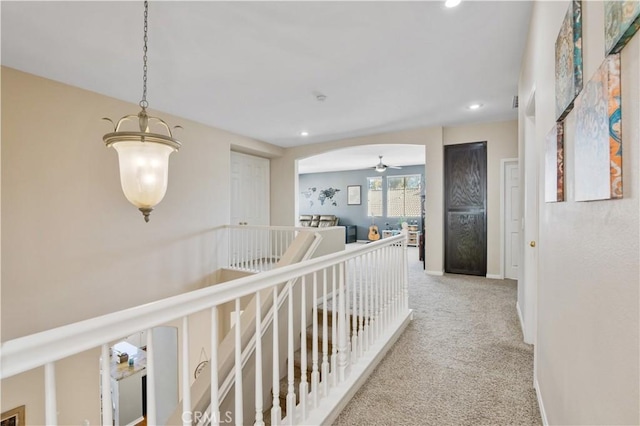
394 167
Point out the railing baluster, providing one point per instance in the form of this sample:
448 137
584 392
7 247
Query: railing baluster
343 346
50 403
304 387
259 409
368 302
378 319
315 375
186 388
334 328
354 312
276 412
215 399
360 262
325 338
405 277
151 380
291 390
105 386
238 382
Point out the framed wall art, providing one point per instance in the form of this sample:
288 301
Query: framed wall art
554 164
15 417
569 60
354 193
598 139
621 22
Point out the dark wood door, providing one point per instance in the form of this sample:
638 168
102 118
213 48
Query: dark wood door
466 208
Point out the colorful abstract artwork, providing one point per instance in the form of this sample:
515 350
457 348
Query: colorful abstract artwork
554 164
569 60
598 143
621 22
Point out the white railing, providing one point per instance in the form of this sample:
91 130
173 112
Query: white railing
365 290
259 248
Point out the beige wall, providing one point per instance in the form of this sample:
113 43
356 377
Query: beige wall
73 247
502 142
587 350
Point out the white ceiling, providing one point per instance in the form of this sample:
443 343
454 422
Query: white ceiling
254 68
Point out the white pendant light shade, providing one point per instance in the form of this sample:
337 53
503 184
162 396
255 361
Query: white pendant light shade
144 172
143 153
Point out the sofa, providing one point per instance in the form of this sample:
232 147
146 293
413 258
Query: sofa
318 221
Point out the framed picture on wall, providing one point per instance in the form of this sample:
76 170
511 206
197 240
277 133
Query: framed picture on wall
15 417
354 194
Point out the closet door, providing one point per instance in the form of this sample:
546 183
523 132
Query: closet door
249 190
466 208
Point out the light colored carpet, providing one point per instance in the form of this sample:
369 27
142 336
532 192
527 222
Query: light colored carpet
461 361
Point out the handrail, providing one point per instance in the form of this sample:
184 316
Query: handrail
28 352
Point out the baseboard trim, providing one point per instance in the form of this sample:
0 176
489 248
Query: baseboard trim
495 276
520 319
437 273
543 413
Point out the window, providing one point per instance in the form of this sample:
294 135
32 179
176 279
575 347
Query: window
403 196
374 196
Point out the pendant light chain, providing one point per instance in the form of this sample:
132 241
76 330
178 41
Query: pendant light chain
143 102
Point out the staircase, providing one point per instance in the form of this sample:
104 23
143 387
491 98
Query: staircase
297 361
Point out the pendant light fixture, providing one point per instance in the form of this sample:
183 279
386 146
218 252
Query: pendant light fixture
143 156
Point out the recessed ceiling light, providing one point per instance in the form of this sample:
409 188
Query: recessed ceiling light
304 133
452 3
474 106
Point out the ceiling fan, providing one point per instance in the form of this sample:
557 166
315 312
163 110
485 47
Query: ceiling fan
381 167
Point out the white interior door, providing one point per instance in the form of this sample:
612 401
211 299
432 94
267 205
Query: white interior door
511 219
249 190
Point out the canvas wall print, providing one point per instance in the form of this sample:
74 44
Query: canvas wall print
554 164
621 22
569 60
598 143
